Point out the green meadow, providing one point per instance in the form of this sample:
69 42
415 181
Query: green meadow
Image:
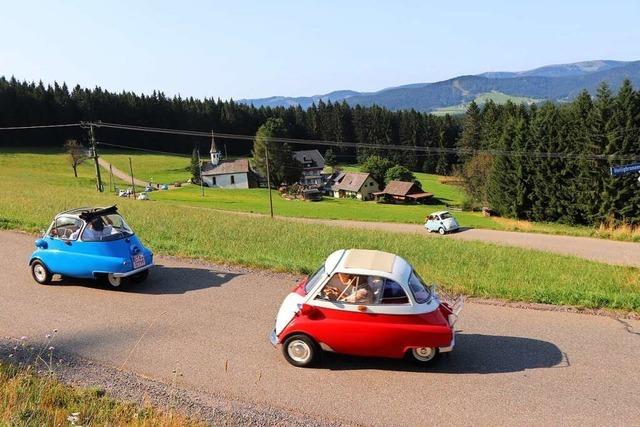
34 187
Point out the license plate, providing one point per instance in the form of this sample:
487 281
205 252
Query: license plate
138 261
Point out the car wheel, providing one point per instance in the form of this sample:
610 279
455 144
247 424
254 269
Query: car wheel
115 281
441 231
301 351
40 273
423 355
140 277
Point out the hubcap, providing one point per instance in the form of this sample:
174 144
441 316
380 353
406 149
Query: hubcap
114 281
39 272
424 353
299 351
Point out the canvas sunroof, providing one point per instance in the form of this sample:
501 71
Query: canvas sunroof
369 260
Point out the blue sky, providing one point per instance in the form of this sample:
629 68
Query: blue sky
250 49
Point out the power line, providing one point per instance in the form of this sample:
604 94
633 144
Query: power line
400 147
128 147
41 126
342 144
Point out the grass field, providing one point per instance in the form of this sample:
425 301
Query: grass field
150 167
27 399
495 96
35 187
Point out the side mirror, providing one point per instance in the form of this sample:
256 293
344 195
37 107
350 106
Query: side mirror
41 244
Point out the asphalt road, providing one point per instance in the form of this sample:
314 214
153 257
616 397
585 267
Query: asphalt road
510 366
601 250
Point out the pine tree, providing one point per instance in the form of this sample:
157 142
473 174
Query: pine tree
195 165
283 168
469 140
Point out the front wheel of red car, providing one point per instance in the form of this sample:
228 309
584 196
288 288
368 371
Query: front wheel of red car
40 273
422 355
301 351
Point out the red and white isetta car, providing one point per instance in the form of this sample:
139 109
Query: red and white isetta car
364 303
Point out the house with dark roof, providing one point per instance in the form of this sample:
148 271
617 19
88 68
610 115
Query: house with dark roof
312 166
356 185
227 173
403 191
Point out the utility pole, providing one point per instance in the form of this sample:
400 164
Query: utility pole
133 184
266 143
111 177
94 154
200 169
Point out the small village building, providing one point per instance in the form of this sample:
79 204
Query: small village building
312 167
227 173
403 192
357 185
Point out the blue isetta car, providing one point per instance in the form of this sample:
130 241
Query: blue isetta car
90 243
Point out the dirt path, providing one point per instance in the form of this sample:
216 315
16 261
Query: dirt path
119 173
210 324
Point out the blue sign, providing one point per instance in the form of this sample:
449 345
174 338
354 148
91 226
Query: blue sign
621 170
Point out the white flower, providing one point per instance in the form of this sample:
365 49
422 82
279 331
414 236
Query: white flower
23 338
52 348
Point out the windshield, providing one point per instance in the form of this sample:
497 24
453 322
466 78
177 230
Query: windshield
445 215
313 279
421 292
106 228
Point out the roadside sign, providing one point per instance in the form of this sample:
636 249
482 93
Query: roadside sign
624 169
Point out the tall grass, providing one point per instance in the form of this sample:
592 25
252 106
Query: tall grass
29 399
28 201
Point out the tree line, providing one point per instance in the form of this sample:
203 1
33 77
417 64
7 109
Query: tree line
28 103
574 185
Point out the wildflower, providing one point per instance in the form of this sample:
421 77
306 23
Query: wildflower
55 331
52 348
23 338
48 336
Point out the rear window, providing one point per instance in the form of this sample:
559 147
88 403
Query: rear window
314 279
421 292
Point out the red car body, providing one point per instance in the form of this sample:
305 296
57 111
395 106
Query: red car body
400 316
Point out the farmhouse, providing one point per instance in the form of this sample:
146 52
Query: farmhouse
355 184
312 166
227 173
403 191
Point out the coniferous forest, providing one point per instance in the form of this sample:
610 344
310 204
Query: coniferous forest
502 151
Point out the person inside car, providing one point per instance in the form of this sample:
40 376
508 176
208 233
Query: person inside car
96 230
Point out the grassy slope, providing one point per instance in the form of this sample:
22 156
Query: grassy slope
497 97
29 399
159 168
30 196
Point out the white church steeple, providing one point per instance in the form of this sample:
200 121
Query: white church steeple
215 154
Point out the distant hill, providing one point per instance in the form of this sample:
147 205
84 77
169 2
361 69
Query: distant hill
553 82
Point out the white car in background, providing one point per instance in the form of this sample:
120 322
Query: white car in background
442 222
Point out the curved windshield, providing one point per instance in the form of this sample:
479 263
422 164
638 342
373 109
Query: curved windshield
105 228
445 215
313 279
421 292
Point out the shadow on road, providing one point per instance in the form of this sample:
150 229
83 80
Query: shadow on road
473 354
165 280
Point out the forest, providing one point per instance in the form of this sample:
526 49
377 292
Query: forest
28 103
545 162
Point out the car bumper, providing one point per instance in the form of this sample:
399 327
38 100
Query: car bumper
273 338
132 272
450 347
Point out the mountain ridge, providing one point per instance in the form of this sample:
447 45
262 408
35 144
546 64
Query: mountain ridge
557 83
